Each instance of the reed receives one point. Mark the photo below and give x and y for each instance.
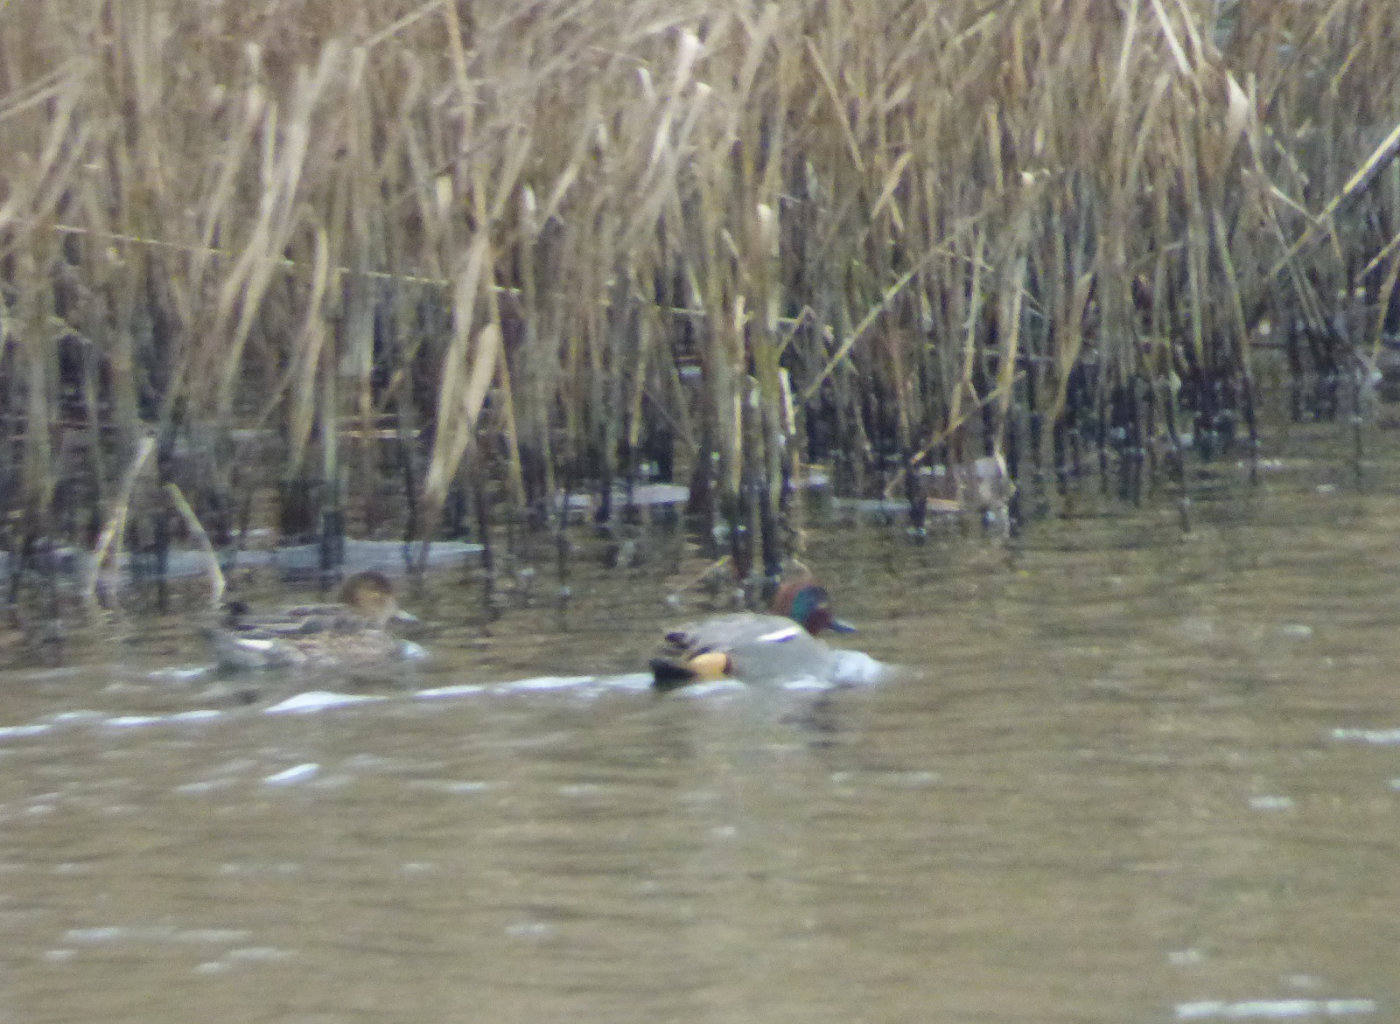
(551, 245)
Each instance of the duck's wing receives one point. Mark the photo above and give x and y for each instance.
(244, 649)
(307, 620)
(304, 611)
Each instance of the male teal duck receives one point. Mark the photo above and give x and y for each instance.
(781, 645)
(321, 636)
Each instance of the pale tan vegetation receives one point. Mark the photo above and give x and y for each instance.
(343, 241)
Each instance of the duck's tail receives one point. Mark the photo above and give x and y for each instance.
(668, 673)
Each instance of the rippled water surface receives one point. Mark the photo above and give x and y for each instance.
(1126, 776)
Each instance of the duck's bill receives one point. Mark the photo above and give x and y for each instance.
(840, 626)
(402, 616)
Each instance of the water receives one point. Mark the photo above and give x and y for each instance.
(1126, 776)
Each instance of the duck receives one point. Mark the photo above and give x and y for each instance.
(351, 633)
(782, 644)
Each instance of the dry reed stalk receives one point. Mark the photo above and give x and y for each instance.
(217, 584)
(463, 387)
(330, 523)
(1238, 332)
(31, 334)
(515, 474)
(537, 369)
(249, 161)
(288, 141)
(770, 422)
(116, 522)
(300, 380)
(1363, 176)
(351, 372)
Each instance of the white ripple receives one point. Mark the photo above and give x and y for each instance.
(155, 933)
(177, 718)
(459, 690)
(547, 683)
(1377, 737)
(293, 775)
(12, 731)
(131, 721)
(1273, 1009)
(197, 715)
(257, 954)
(639, 681)
(856, 668)
(180, 675)
(694, 690)
(78, 715)
(318, 700)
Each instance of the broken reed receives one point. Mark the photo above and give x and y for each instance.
(350, 253)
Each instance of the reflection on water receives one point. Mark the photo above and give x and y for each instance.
(1126, 776)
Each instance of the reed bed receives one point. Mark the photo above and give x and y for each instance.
(367, 266)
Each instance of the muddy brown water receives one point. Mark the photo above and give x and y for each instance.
(1126, 775)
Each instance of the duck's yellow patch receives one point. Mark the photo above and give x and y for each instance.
(710, 665)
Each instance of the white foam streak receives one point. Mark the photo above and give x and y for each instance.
(12, 731)
(318, 700)
(293, 775)
(1376, 737)
(1273, 1009)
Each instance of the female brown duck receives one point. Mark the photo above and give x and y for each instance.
(328, 635)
